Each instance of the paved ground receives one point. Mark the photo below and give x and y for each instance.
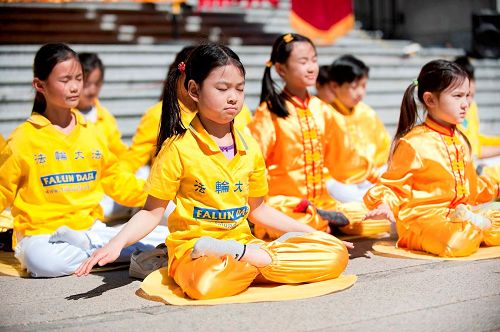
(390, 295)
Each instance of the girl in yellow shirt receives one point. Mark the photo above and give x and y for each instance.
(216, 175)
(304, 144)
(431, 187)
(55, 170)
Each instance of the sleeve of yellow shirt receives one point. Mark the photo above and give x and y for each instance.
(258, 178)
(120, 184)
(263, 130)
(11, 175)
(144, 141)
(342, 159)
(395, 185)
(164, 178)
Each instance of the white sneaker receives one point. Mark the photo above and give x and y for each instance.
(143, 263)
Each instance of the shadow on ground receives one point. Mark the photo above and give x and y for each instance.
(111, 280)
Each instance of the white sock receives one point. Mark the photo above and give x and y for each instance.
(208, 246)
(288, 235)
(75, 238)
(461, 212)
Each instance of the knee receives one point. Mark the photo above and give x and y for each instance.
(44, 262)
(458, 244)
(339, 259)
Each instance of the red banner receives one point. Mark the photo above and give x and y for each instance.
(322, 20)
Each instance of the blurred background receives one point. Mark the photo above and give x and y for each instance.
(138, 40)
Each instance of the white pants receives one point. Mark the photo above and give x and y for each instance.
(45, 259)
(346, 193)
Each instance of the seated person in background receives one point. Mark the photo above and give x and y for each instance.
(348, 77)
(486, 149)
(105, 123)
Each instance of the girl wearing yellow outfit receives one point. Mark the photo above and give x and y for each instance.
(54, 173)
(216, 175)
(348, 77)
(300, 136)
(486, 149)
(431, 185)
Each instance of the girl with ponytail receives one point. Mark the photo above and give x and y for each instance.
(301, 137)
(216, 175)
(431, 189)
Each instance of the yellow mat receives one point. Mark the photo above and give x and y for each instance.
(158, 286)
(10, 266)
(388, 248)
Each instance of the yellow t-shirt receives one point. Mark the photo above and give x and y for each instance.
(143, 148)
(470, 127)
(365, 130)
(52, 179)
(107, 125)
(210, 192)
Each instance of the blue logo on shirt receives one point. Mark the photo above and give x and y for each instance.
(212, 214)
(68, 178)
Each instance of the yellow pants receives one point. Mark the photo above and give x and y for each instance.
(310, 257)
(355, 212)
(449, 238)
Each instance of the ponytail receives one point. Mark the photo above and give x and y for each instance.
(408, 116)
(269, 94)
(40, 104)
(171, 120)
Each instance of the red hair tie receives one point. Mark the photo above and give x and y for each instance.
(182, 67)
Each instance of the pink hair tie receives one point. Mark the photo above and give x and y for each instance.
(182, 67)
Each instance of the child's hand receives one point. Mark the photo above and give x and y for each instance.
(383, 211)
(348, 245)
(102, 256)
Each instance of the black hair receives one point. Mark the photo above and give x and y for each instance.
(435, 77)
(200, 63)
(322, 78)
(47, 57)
(91, 61)
(282, 48)
(348, 69)
(464, 62)
(181, 56)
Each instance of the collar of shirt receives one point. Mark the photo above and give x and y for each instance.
(341, 108)
(41, 121)
(296, 101)
(432, 124)
(202, 135)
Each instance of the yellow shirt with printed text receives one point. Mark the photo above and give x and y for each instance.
(143, 148)
(52, 179)
(210, 192)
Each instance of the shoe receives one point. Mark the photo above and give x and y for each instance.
(335, 219)
(143, 263)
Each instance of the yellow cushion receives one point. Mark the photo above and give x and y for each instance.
(388, 249)
(158, 286)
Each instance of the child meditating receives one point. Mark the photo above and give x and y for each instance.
(55, 170)
(304, 143)
(431, 188)
(217, 177)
